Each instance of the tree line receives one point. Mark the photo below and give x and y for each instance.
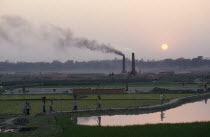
(109, 65)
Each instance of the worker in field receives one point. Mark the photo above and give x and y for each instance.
(44, 107)
(75, 103)
(162, 98)
(205, 87)
(44, 99)
(24, 108)
(99, 103)
(51, 106)
(183, 84)
(27, 108)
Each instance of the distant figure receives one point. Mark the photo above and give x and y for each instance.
(44, 99)
(27, 108)
(24, 89)
(126, 89)
(44, 107)
(24, 108)
(99, 103)
(161, 98)
(99, 121)
(75, 104)
(162, 115)
(51, 106)
(205, 87)
(182, 83)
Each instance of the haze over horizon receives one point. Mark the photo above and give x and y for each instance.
(142, 26)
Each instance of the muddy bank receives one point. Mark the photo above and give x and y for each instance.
(12, 124)
(169, 90)
(139, 110)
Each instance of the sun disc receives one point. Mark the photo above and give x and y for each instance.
(164, 47)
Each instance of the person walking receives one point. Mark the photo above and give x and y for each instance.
(24, 108)
(51, 106)
(99, 103)
(75, 104)
(44, 107)
(28, 108)
(161, 98)
(44, 100)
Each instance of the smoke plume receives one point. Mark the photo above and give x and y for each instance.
(20, 32)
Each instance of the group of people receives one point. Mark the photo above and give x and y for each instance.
(75, 103)
(44, 105)
(27, 107)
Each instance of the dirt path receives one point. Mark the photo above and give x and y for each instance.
(142, 109)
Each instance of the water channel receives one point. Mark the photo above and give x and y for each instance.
(191, 112)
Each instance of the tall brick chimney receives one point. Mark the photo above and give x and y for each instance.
(133, 67)
(123, 65)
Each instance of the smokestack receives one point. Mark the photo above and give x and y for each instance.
(133, 67)
(123, 65)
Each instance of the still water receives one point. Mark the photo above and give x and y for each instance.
(192, 112)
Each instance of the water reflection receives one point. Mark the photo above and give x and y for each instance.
(162, 115)
(206, 100)
(74, 120)
(99, 121)
(191, 112)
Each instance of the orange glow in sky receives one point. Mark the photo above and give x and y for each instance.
(140, 25)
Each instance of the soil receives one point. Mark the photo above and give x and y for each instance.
(12, 124)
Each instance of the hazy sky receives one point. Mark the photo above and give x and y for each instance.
(140, 25)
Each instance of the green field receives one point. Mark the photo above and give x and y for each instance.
(17, 106)
(112, 85)
(46, 127)
(62, 126)
(91, 96)
(90, 102)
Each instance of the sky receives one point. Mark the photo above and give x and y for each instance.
(139, 26)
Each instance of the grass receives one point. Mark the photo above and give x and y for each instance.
(1, 90)
(91, 96)
(112, 85)
(31, 96)
(46, 127)
(16, 107)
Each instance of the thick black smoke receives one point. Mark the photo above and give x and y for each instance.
(18, 31)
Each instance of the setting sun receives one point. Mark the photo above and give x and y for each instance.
(164, 47)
